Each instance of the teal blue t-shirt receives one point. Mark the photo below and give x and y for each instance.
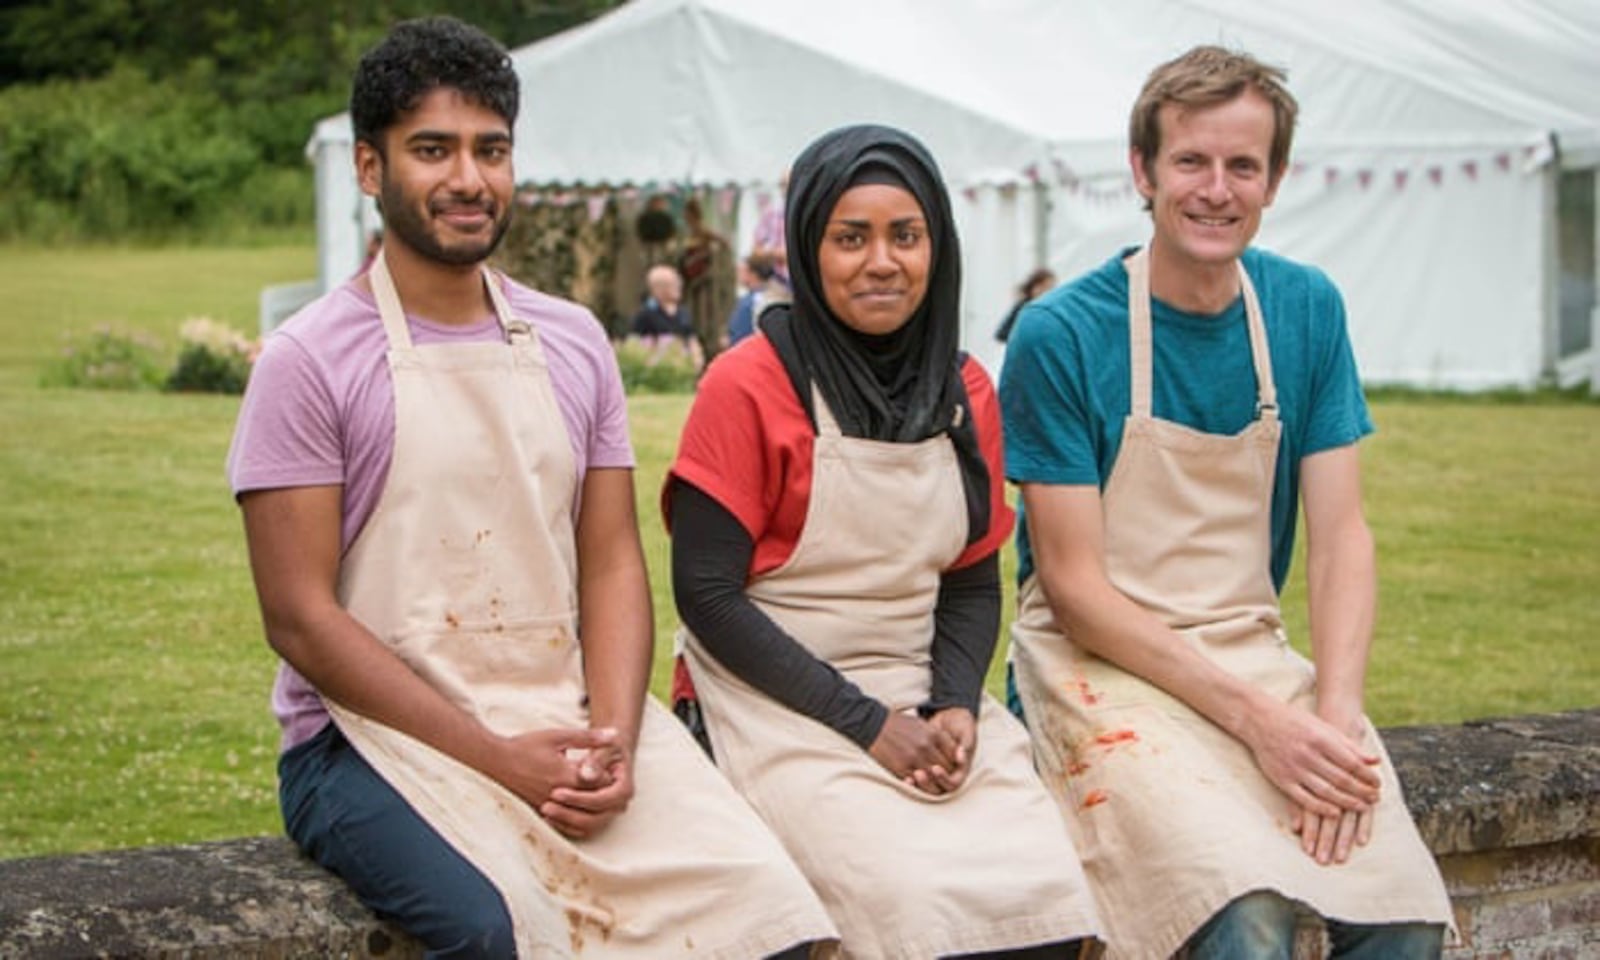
(1064, 389)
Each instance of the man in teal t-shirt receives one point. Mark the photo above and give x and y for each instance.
(1066, 380)
(1166, 415)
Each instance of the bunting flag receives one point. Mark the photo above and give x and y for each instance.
(1101, 189)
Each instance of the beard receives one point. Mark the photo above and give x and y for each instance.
(413, 228)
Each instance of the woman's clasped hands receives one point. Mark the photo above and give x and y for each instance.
(934, 754)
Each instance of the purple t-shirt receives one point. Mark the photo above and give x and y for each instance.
(319, 410)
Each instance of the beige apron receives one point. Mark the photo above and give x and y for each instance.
(1172, 815)
(467, 570)
(903, 873)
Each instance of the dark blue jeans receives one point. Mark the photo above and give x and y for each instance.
(1260, 926)
(351, 821)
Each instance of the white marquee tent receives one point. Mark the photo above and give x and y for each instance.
(1434, 139)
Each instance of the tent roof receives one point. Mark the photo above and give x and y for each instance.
(730, 90)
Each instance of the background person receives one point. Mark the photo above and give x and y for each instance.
(704, 265)
(768, 238)
(1165, 416)
(1036, 284)
(436, 480)
(663, 321)
(837, 511)
(762, 289)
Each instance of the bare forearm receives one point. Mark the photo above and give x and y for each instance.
(618, 644)
(1068, 538)
(1342, 595)
(1308, 758)
(293, 537)
(614, 617)
(1341, 582)
(351, 667)
(1103, 621)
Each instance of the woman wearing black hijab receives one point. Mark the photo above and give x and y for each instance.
(837, 516)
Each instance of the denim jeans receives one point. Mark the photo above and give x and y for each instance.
(351, 821)
(1261, 926)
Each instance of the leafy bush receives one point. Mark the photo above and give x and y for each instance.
(119, 156)
(213, 358)
(662, 367)
(108, 360)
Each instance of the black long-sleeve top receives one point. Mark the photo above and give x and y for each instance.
(711, 553)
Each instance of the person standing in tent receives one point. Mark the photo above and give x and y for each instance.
(1165, 415)
(767, 239)
(1035, 284)
(705, 264)
(759, 280)
(837, 510)
(435, 475)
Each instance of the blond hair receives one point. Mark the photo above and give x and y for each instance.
(1206, 76)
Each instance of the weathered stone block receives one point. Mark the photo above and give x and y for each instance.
(252, 898)
(1574, 862)
(1502, 783)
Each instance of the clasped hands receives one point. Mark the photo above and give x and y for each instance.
(1329, 773)
(577, 779)
(933, 755)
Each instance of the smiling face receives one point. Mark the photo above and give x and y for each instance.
(874, 258)
(444, 178)
(1208, 182)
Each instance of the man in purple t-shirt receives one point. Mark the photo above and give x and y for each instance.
(436, 480)
(311, 459)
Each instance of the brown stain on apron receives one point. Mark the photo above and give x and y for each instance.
(463, 514)
(1153, 791)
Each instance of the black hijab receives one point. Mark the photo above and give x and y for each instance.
(900, 387)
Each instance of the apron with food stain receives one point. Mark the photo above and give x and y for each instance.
(902, 873)
(467, 570)
(1172, 815)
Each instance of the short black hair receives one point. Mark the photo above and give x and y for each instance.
(419, 56)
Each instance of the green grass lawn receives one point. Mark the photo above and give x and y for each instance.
(133, 676)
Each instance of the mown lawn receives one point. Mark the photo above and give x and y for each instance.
(133, 676)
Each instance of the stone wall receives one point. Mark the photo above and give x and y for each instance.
(251, 899)
(1510, 807)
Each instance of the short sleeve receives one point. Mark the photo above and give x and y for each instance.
(1049, 429)
(986, 415)
(287, 434)
(610, 444)
(727, 450)
(1337, 414)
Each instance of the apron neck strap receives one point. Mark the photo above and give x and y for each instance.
(1139, 337)
(394, 317)
(827, 426)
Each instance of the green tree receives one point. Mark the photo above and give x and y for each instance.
(136, 115)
